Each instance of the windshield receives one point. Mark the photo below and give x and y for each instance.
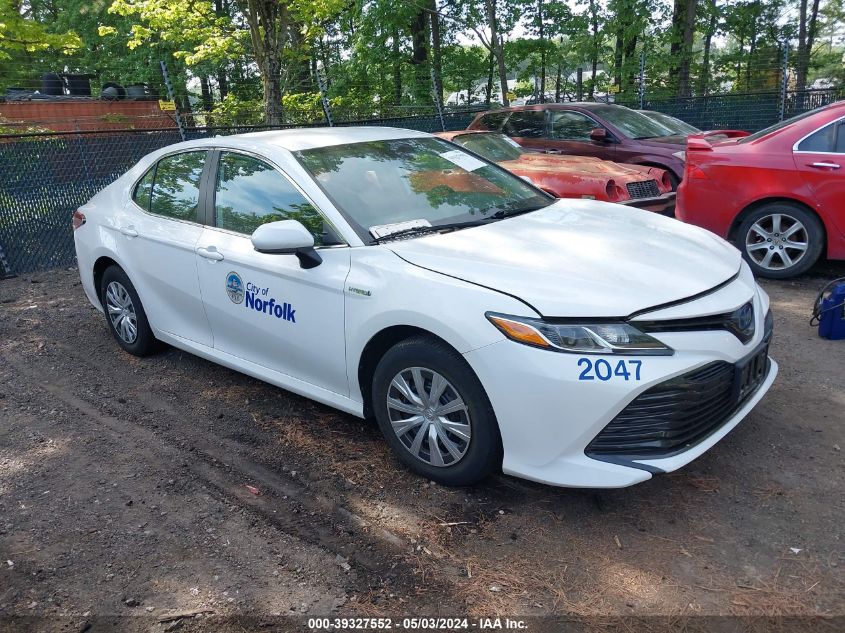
(675, 125)
(632, 123)
(778, 126)
(425, 179)
(495, 147)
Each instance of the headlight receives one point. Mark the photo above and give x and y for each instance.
(584, 338)
(682, 155)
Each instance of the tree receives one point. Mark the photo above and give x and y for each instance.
(277, 32)
(807, 23)
(20, 32)
(683, 31)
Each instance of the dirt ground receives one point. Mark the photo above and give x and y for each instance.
(125, 499)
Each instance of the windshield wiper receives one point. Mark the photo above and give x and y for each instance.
(436, 228)
(506, 212)
(500, 214)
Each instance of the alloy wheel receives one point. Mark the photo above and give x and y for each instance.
(777, 241)
(429, 416)
(121, 312)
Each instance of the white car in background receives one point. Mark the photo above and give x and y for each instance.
(483, 323)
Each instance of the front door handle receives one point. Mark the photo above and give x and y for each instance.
(825, 165)
(128, 231)
(210, 253)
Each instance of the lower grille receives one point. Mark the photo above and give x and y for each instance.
(677, 414)
(643, 189)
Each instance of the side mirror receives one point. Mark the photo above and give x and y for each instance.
(286, 237)
(599, 135)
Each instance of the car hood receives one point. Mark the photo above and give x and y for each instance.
(581, 258)
(578, 165)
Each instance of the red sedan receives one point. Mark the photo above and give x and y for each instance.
(648, 188)
(778, 194)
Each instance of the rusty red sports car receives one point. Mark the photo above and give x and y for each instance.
(648, 188)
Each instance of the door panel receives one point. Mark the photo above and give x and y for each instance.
(269, 310)
(158, 249)
(569, 133)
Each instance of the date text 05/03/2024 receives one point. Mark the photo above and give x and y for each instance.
(417, 623)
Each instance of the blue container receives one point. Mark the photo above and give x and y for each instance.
(832, 313)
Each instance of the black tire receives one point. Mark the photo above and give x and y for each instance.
(790, 212)
(483, 455)
(145, 342)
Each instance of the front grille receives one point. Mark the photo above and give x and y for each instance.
(643, 189)
(677, 414)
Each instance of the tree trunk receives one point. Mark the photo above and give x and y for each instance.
(704, 80)
(497, 48)
(222, 83)
(542, 30)
(490, 80)
(205, 90)
(557, 85)
(221, 10)
(806, 38)
(683, 31)
(594, 61)
(436, 57)
(419, 56)
(268, 24)
(631, 62)
(618, 54)
(397, 68)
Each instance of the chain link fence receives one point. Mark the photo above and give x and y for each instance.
(45, 177)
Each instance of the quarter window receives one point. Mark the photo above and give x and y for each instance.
(143, 189)
(176, 186)
(492, 121)
(572, 126)
(526, 124)
(250, 193)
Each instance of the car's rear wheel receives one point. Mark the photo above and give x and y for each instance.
(780, 240)
(434, 413)
(125, 314)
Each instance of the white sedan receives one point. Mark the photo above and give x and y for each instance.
(484, 324)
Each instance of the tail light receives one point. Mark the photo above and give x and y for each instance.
(77, 219)
(612, 190)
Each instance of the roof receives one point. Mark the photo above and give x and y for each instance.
(298, 139)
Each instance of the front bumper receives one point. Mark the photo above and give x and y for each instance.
(664, 204)
(548, 417)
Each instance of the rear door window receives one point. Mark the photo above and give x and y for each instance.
(176, 186)
(829, 139)
(526, 124)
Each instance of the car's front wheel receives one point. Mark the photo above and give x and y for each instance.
(780, 240)
(125, 315)
(435, 414)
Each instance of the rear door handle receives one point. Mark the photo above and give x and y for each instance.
(128, 231)
(210, 253)
(824, 165)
